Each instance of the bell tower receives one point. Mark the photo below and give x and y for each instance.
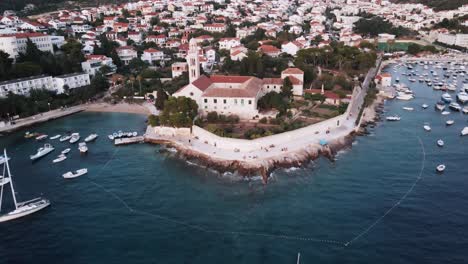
(193, 61)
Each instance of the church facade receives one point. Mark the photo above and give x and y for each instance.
(232, 95)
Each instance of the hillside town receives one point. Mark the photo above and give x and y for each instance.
(250, 60)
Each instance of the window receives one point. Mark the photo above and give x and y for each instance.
(242, 101)
(215, 101)
(225, 101)
(191, 94)
(206, 100)
(250, 102)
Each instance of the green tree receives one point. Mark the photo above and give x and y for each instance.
(179, 112)
(161, 98)
(5, 65)
(286, 89)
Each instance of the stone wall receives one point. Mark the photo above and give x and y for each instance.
(172, 131)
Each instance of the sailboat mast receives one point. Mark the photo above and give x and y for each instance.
(1, 191)
(11, 181)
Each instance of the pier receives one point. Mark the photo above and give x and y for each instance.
(127, 141)
(39, 118)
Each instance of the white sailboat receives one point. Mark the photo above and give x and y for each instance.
(41, 152)
(21, 208)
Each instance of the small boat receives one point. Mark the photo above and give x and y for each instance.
(393, 118)
(60, 158)
(82, 147)
(78, 173)
(445, 113)
(449, 122)
(21, 208)
(41, 137)
(74, 138)
(408, 108)
(41, 152)
(404, 96)
(30, 135)
(424, 106)
(462, 97)
(55, 137)
(91, 137)
(464, 132)
(427, 127)
(65, 151)
(134, 134)
(440, 106)
(446, 98)
(64, 138)
(465, 110)
(440, 168)
(111, 137)
(440, 143)
(455, 106)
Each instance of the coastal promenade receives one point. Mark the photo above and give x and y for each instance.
(39, 118)
(277, 148)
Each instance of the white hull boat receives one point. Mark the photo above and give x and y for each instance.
(462, 97)
(427, 128)
(65, 151)
(91, 138)
(74, 138)
(41, 137)
(393, 118)
(449, 122)
(440, 143)
(60, 158)
(465, 110)
(83, 148)
(408, 108)
(64, 138)
(445, 113)
(21, 208)
(78, 173)
(55, 137)
(455, 107)
(440, 168)
(111, 137)
(464, 132)
(424, 106)
(41, 152)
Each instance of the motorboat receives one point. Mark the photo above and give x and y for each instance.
(449, 122)
(393, 118)
(446, 98)
(55, 137)
(21, 208)
(30, 135)
(41, 152)
(440, 143)
(74, 138)
(465, 110)
(464, 131)
(82, 147)
(404, 96)
(65, 151)
(60, 158)
(41, 137)
(111, 137)
(408, 108)
(134, 134)
(64, 138)
(445, 113)
(440, 168)
(440, 105)
(91, 137)
(427, 127)
(462, 97)
(78, 173)
(424, 106)
(455, 106)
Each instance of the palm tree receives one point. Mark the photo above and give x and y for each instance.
(139, 78)
(132, 80)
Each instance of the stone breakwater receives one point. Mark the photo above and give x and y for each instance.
(262, 167)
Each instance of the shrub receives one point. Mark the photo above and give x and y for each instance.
(153, 120)
(212, 117)
(263, 120)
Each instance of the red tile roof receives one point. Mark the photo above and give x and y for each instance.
(229, 79)
(293, 71)
(202, 83)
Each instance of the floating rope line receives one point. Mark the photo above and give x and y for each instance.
(397, 203)
(268, 235)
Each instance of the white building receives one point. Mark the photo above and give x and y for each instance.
(454, 39)
(78, 29)
(126, 54)
(152, 55)
(23, 86)
(16, 43)
(178, 68)
(228, 43)
(95, 62)
(232, 95)
(73, 80)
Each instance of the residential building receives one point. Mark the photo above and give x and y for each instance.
(152, 55)
(70, 81)
(126, 54)
(15, 44)
(94, 63)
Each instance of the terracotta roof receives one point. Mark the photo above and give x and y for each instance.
(151, 50)
(248, 89)
(269, 49)
(202, 83)
(293, 71)
(273, 81)
(229, 79)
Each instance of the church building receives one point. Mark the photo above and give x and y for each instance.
(232, 95)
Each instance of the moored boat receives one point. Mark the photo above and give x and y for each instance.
(440, 168)
(449, 122)
(446, 98)
(455, 106)
(464, 131)
(424, 106)
(60, 158)
(78, 173)
(91, 137)
(393, 118)
(465, 110)
(41, 137)
(65, 151)
(55, 137)
(74, 138)
(440, 143)
(41, 152)
(408, 108)
(427, 127)
(440, 106)
(462, 97)
(82, 147)
(64, 138)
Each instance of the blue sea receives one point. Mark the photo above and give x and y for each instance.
(380, 202)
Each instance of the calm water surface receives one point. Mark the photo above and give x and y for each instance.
(138, 205)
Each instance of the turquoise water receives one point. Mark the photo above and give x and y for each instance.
(138, 205)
